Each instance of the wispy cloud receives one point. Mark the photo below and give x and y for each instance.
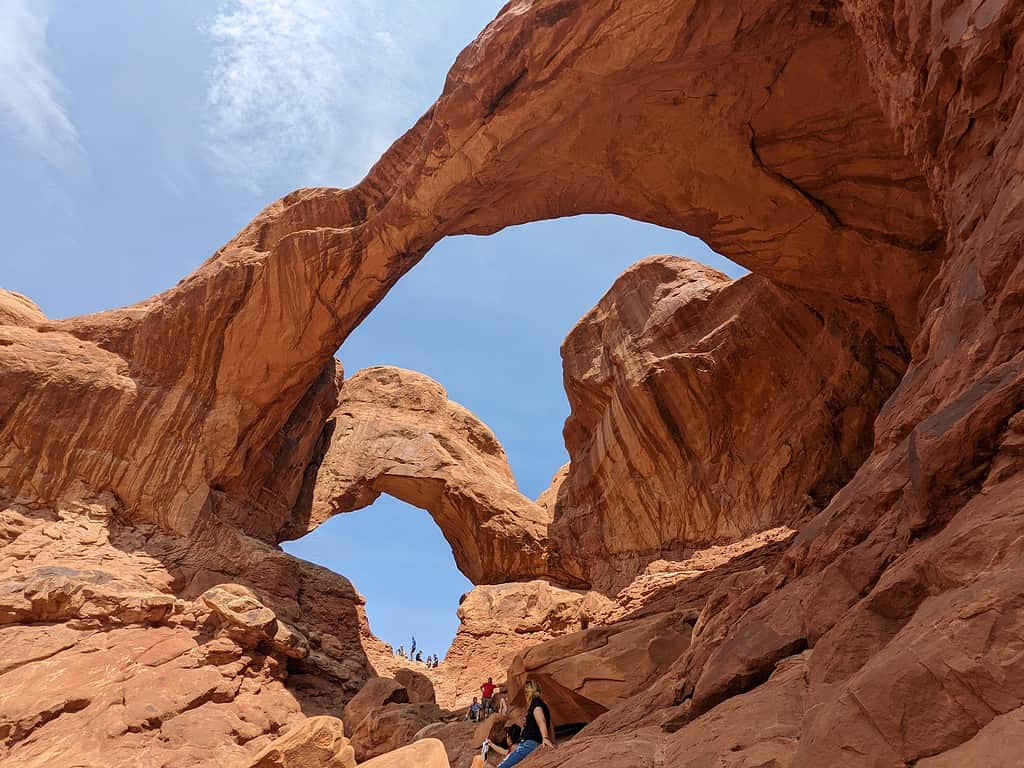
(30, 107)
(308, 89)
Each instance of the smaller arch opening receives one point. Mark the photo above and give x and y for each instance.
(400, 562)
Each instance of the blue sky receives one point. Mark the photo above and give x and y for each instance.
(137, 137)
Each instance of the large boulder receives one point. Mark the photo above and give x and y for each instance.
(391, 726)
(251, 623)
(418, 685)
(459, 739)
(585, 674)
(318, 742)
(428, 753)
(376, 693)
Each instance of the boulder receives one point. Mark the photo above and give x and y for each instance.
(458, 737)
(377, 692)
(248, 621)
(391, 726)
(318, 742)
(585, 674)
(428, 753)
(418, 685)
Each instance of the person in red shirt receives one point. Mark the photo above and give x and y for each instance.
(487, 697)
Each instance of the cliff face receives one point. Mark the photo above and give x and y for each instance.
(861, 158)
(705, 410)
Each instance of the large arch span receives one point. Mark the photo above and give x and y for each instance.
(756, 130)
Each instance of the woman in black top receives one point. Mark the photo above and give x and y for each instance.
(537, 728)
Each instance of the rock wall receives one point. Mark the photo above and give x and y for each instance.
(126, 646)
(704, 410)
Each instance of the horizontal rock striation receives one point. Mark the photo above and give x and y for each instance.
(196, 404)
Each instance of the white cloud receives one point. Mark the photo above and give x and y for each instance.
(308, 89)
(30, 107)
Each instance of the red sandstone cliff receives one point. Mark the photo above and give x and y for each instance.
(705, 410)
(861, 158)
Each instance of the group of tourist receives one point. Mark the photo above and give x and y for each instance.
(417, 655)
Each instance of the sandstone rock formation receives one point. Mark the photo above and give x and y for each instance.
(318, 741)
(418, 686)
(497, 622)
(705, 410)
(396, 432)
(390, 727)
(375, 694)
(127, 646)
(428, 753)
(460, 740)
(585, 674)
(225, 398)
(861, 158)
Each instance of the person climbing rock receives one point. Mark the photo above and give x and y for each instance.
(487, 692)
(537, 729)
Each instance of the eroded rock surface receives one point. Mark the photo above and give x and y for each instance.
(586, 673)
(862, 157)
(705, 410)
(497, 622)
(395, 431)
(318, 742)
(200, 405)
(127, 646)
(426, 753)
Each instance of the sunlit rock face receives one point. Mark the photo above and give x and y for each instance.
(861, 158)
(706, 409)
(755, 129)
(395, 431)
(129, 646)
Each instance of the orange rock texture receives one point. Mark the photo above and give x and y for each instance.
(862, 159)
(705, 410)
(395, 431)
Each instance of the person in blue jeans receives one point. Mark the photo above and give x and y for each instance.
(537, 729)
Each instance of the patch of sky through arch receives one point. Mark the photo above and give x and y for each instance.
(485, 317)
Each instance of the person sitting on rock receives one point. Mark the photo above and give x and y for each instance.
(512, 735)
(537, 730)
(473, 713)
(487, 689)
(419, 656)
